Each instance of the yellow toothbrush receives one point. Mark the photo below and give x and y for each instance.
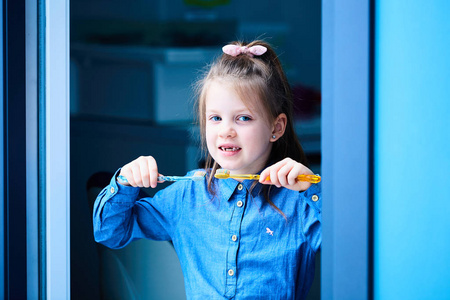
(224, 174)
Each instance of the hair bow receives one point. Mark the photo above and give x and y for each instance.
(235, 50)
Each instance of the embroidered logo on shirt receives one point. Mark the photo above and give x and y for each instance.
(269, 231)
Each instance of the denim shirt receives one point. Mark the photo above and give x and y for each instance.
(231, 246)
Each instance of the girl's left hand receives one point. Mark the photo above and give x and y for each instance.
(284, 174)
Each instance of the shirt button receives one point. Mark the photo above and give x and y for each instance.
(240, 203)
(240, 187)
(315, 198)
(234, 238)
(112, 190)
(230, 272)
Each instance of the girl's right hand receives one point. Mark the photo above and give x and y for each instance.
(141, 172)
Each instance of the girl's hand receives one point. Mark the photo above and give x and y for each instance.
(284, 173)
(141, 172)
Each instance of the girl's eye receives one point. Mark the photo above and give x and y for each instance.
(244, 118)
(215, 118)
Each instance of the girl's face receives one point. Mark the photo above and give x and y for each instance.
(238, 137)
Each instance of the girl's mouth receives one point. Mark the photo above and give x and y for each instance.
(229, 149)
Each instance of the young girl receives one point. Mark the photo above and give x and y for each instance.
(236, 239)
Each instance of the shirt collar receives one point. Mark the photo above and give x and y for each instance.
(226, 187)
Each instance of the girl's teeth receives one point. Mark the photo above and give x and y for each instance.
(230, 149)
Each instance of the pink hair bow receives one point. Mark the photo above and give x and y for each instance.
(235, 50)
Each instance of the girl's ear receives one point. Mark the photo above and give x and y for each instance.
(279, 126)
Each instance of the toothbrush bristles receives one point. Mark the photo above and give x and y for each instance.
(199, 175)
(222, 173)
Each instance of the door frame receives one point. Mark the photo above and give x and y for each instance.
(347, 139)
(347, 148)
(34, 145)
(56, 87)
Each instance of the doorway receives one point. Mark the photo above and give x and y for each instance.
(124, 56)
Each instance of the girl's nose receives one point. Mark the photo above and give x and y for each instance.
(227, 131)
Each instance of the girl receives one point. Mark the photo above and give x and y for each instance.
(237, 239)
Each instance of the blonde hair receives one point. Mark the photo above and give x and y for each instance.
(259, 77)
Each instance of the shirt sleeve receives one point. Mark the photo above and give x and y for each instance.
(120, 216)
(312, 216)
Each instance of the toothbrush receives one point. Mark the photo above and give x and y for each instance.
(224, 173)
(198, 176)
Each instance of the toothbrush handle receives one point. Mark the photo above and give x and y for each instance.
(249, 176)
(174, 178)
(307, 178)
(122, 179)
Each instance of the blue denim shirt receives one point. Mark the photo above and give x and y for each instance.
(235, 246)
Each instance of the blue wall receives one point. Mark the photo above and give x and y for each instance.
(412, 138)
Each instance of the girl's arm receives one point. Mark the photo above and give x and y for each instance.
(312, 215)
(113, 215)
(120, 217)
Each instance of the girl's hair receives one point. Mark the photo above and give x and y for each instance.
(259, 77)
